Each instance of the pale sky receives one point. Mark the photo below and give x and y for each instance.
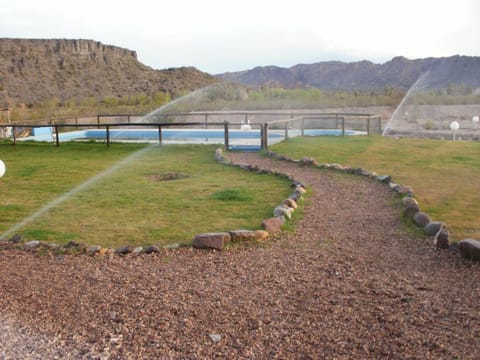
(218, 36)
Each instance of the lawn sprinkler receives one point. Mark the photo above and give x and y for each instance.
(454, 126)
(2, 168)
(475, 121)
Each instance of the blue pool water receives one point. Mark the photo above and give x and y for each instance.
(238, 138)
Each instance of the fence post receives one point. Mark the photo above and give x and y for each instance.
(227, 140)
(265, 135)
(160, 134)
(286, 130)
(206, 121)
(368, 125)
(108, 135)
(57, 138)
(98, 121)
(262, 145)
(303, 126)
(14, 136)
(343, 126)
(379, 124)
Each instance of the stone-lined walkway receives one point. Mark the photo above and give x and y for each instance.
(350, 283)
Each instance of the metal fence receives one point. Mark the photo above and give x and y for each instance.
(280, 124)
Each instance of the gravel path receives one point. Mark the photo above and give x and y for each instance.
(349, 284)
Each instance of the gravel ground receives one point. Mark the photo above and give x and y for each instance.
(350, 283)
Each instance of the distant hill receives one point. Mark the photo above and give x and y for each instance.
(399, 72)
(36, 70)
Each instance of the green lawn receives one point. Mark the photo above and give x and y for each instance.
(165, 194)
(445, 175)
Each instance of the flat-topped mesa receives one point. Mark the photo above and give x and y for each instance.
(75, 47)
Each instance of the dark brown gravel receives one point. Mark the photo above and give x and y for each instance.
(350, 283)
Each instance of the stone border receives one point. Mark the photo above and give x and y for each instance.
(269, 226)
(213, 240)
(468, 248)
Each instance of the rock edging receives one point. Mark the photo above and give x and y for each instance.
(468, 248)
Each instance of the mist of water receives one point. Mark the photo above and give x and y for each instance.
(116, 167)
(399, 112)
(83, 186)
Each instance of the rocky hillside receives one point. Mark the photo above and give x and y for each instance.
(32, 71)
(365, 75)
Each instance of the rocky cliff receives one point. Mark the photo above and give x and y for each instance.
(36, 70)
(399, 72)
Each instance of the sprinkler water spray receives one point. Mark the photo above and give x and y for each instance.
(2, 168)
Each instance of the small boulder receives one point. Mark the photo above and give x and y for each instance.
(470, 249)
(411, 210)
(421, 219)
(308, 161)
(242, 235)
(152, 249)
(93, 249)
(283, 210)
(405, 190)
(16, 238)
(274, 224)
(104, 251)
(434, 227)
(31, 245)
(408, 200)
(394, 186)
(290, 203)
(138, 250)
(337, 167)
(72, 245)
(215, 241)
(386, 179)
(261, 235)
(441, 239)
(124, 250)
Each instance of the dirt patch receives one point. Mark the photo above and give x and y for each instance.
(166, 176)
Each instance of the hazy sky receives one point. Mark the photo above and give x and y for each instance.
(220, 36)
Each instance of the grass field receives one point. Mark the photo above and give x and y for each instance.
(445, 175)
(165, 195)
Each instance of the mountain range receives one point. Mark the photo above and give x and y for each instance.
(33, 71)
(399, 72)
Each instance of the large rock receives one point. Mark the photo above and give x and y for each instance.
(434, 227)
(215, 241)
(470, 249)
(274, 224)
(421, 219)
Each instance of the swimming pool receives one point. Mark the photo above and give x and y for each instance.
(237, 138)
